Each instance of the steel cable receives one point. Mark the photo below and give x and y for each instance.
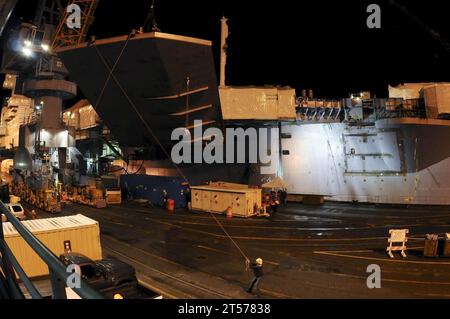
(247, 263)
(133, 105)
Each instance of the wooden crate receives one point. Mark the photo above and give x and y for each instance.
(113, 197)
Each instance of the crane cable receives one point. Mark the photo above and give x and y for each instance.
(247, 260)
(133, 105)
(108, 79)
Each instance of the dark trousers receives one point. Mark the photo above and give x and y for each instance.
(256, 281)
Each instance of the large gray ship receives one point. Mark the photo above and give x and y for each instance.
(360, 149)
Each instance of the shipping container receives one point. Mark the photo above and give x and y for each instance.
(78, 232)
(243, 202)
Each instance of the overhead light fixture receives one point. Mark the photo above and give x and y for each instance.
(22, 159)
(27, 43)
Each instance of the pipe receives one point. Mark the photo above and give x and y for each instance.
(223, 50)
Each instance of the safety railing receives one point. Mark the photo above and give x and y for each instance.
(9, 266)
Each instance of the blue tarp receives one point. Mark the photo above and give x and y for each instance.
(151, 188)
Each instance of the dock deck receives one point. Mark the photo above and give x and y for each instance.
(309, 251)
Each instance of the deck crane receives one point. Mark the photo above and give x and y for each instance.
(45, 142)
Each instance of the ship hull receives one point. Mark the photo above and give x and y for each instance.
(146, 86)
(391, 162)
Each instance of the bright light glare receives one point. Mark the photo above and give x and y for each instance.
(27, 52)
(45, 47)
(27, 43)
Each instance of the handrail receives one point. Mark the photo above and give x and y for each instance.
(9, 283)
(22, 275)
(58, 272)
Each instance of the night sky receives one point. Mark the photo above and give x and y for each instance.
(322, 45)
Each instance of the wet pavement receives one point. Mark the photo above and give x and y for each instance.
(309, 251)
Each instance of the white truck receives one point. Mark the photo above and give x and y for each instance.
(17, 210)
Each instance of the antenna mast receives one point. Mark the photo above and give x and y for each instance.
(223, 51)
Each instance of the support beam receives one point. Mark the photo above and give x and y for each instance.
(6, 9)
(180, 95)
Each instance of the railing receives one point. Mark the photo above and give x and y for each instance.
(9, 286)
(338, 111)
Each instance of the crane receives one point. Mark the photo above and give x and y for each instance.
(42, 78)
(67, 36)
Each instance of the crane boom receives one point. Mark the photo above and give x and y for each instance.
(66, 36)
(6, 8)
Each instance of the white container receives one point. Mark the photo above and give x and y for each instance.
(437, 99)
(83, 234)
(217, 200)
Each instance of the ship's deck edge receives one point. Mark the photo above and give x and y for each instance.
(142, 36)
